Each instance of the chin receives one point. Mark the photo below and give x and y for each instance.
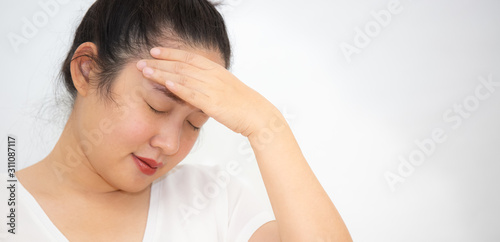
(135, 187)
(131, 183)
(131, 180)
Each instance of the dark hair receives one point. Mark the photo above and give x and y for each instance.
(125, 30)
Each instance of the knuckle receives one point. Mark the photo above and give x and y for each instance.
(153, 64)
(183, 80)
(178, 67)
(189, 57)
(192, 95)
(210, 67)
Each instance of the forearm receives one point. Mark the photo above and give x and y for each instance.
(302, 208)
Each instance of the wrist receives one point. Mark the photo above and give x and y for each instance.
(267, 129)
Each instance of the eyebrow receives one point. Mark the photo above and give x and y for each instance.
(168, 93)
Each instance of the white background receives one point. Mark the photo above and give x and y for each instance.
(352, 119)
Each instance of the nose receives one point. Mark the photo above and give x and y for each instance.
(168, 139)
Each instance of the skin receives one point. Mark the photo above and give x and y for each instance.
(91, 165)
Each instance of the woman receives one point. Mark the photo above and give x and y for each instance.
(144, 76)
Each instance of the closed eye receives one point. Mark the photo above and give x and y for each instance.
(194, 127)
(162, 112)
(154, 110)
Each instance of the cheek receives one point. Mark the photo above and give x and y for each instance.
(131, 131)
(119, 131)
(187, 143)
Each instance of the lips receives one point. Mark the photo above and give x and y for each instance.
(146, 165)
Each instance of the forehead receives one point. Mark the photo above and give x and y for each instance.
(163, 90)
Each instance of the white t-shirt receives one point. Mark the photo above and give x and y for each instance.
(190, 203)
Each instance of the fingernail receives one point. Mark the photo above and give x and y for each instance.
(169, 84)
(155, 51)
(148, 71)
(141, 64)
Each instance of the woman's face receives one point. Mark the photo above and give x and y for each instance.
(141, 135)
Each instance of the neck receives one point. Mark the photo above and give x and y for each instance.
(70, 168)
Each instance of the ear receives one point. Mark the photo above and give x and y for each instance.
(83, 68)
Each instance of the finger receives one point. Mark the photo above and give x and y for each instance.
(174, 67)
(160, 77)
(184, 56)
(191, 96)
